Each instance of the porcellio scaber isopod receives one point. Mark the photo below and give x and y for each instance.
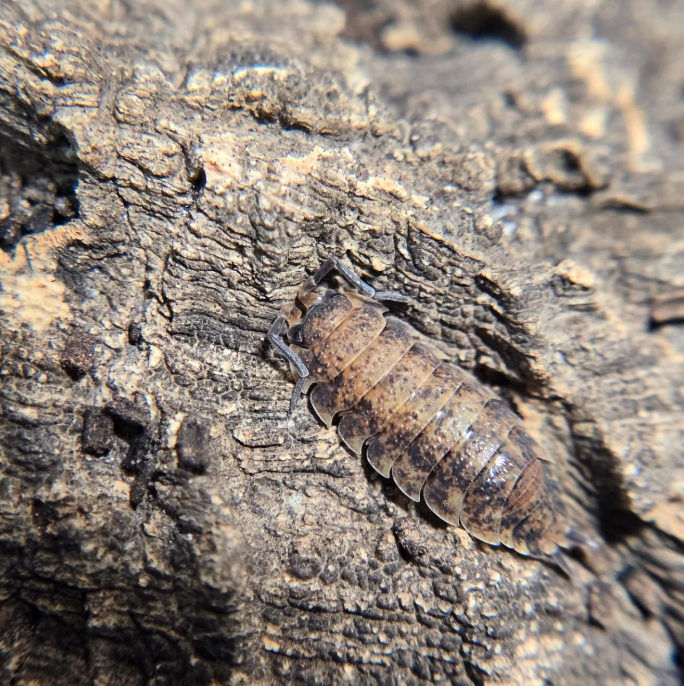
(431, 425)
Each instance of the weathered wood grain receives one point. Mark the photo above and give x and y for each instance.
(170, 173)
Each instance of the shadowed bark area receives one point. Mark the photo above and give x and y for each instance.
(169, 176)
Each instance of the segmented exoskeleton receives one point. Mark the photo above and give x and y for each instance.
(429, 423)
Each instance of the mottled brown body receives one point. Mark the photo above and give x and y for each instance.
(425, 421)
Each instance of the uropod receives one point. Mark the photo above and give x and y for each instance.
(438, 431)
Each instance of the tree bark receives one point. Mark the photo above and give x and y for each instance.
(169, 176)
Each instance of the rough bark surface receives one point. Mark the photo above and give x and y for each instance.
(169, 175)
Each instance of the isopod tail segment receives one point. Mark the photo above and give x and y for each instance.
(439, 432)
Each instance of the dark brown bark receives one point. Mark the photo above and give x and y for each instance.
(169, 175)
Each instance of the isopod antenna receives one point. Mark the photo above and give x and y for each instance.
(352, 278)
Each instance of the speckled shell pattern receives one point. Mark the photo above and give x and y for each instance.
(431, 425)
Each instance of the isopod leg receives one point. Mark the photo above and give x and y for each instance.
(351, 277)
(301, 387)
(559, 560)
(581, 540)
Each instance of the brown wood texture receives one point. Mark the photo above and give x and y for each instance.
(170, 173)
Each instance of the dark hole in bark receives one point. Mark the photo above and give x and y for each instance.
(481, 21)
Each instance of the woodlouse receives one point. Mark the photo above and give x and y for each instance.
(429, 423)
